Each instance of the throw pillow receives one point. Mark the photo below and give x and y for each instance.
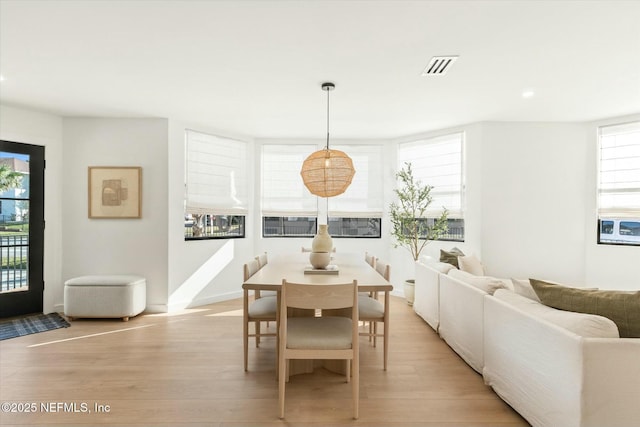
(451, 256)
(623, 307)
(585, 325)
(524, 288)
(484, 283)
(471, 264)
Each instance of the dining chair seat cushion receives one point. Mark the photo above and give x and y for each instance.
(369, 308)
(263, 308)
(322, 333)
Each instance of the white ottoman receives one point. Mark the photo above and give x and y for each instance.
(105, 296)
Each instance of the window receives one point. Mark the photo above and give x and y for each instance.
(438, 162)
(288, 208)
(288, 226)
(216, 187)
(619, 184)
(357, 213)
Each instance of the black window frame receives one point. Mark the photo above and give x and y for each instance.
(217, 221)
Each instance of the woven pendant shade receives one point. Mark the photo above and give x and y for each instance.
(327, 173)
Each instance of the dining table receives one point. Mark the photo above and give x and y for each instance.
(344, 267)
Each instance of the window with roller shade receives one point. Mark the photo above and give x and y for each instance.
(619, 184)
(288, 208)
(439, 162)
(216, 187)
(357, 213)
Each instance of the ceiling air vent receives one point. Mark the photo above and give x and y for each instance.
(439, 65)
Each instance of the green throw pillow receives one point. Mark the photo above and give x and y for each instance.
(451, 256)
(620, 306)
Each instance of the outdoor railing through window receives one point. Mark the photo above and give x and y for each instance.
(14, 255)
(213, 227)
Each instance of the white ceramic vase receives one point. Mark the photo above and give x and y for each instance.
(319, 260)
(322, 242)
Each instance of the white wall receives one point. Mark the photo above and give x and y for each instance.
(117, 246)
(37, 128)
(533, 200)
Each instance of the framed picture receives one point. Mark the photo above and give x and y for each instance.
(115, 192)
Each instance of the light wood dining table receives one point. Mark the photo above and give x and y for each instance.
(291, 266)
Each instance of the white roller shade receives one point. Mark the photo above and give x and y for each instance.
(364, 197)
(216, 175)
(619, 175)
(283, 192)
(438, 162)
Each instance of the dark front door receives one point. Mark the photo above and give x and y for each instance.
(21, 228)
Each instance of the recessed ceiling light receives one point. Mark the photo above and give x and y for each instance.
(1, 78)
(528, 93)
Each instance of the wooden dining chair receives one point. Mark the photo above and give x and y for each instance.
(263, 259)
(261, 309)
(370, 259)
(373, 311)
(319, 337)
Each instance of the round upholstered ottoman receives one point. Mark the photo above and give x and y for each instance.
(104, 296)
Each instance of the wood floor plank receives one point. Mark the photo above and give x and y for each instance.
(185, 369)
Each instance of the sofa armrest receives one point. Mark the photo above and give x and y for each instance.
(427, 294)
(461, 319)
(611, 387)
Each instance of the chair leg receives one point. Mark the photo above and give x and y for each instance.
(375, 333)
(386, 342)
(257, 329)
(245, 328)
(281, 384)
(356, 388)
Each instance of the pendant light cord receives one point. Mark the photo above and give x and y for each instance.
(328, 119)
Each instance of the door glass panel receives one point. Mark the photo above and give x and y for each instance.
(14, 222)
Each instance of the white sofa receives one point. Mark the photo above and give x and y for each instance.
(454, 308)
(544, 362)
(555, 377)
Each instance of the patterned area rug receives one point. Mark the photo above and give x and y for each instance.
(31, 324)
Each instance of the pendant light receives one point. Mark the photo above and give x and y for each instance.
(327, 173)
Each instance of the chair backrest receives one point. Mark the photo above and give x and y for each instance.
(319, 296)
(370, 259)
(383, 269)
(251, 268)
(262, 259)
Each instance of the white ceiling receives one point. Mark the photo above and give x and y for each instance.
(255, 67)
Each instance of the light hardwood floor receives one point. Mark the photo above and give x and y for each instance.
(185, 369)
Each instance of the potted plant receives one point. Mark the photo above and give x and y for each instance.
(409, 225)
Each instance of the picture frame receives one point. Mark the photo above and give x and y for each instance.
(115, 192)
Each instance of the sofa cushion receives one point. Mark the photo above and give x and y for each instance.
(585, 325)
(471, 264)
(523, 287)
(484, 283)
(451, 256)
(439, 266)
(623, 307)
